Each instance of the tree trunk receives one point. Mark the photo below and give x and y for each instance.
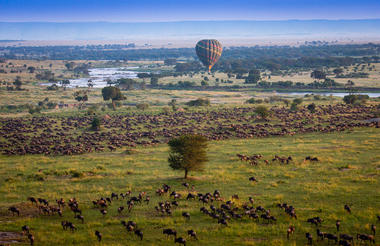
(113, 105)
(186, 171)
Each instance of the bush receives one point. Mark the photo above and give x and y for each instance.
(199, 102)
(355, 99)
(92, 110)
(297, 101)
(294, 107)
(75, 173)
(53, 87)
(251, 101)
(95, 124)
(34, 109)
(311, 107)
(262, 111)
(317, 97)
(142, 106)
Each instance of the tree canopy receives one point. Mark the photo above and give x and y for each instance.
(112, 93)
(188, 153)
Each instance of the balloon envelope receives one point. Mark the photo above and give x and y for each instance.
(209, 52)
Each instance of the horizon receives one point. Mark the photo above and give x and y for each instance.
(179, 21)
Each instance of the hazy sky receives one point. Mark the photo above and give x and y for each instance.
(177, 10)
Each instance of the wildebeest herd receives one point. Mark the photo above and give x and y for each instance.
(71, 135)
(220, 210)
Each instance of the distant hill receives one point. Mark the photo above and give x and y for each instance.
(187, 29)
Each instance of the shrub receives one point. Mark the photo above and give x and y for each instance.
(95, 124)
(355, 99)
(262, 111)
(199, 102)
(251, 101)
(311, 107)
(142, 106)
(297, 101)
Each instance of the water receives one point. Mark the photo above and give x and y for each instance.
(335, 94)
(99, 76)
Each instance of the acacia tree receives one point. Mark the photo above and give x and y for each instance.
(113, 93)
(262, 111)
(188, 153)
(64, 83)
(81, 96)
(317, 74)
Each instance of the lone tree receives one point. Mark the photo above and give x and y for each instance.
(317, 74)
(95, 124)
(173, 104)
(262, 111)
(81, 96)
(311, 107)
(113, 93)
(18, 83)
(253, 77)
(188, 153)
(64, 83)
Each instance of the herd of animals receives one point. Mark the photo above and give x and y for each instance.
(220, 210)
(71, 135)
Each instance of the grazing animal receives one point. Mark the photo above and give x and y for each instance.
(250, 199)
(103, 212)
(253, 179)
(190, 196)
(31, 239)
(186, 215)
(290, 231)
(320, 235)
(98, 235)
(373, 229)
(14, 210)
(344, 243)
(139, 233)
(147, 199)
(337, 225)
(308, 158)
(32, 200)
(180, 240)
(347, 208)
(79, 217)
(346, 237)
(68, 224)
(330, 236)
(309, 238)
(170, 232)
(25, 229)
(192, 234)
(114, 195)
(223, 222)
(365, 237)
(120, 209)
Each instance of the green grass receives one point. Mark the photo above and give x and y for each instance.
(348, 173)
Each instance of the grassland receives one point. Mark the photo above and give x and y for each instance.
(348, 173)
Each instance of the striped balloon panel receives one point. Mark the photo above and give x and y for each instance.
(208, 51)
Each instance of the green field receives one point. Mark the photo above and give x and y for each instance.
(348, 173)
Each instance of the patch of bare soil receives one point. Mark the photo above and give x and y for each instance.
(7, 237)
(26, 210)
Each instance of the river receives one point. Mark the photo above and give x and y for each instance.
(335, 94)
(99, 76)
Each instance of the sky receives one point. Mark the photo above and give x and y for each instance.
(184, 10)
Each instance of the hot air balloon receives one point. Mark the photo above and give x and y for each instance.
(209, 52)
